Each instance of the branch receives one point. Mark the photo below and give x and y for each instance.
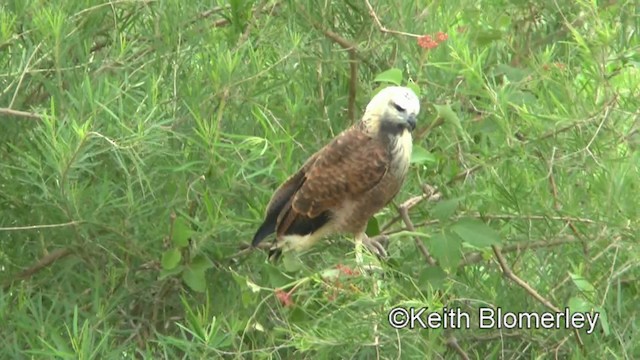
(429, 193)
(11, 112)
(381, 27)
(476, 257)
(509, 274)
(353, 64)
(452, 342)
(465, 173)
(45, 261)
(493, 217)
(35, 227)
(556, 201)
(404, 214)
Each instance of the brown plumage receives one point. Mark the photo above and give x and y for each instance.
(340, 187)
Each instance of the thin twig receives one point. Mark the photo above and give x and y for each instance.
(208, 13)
(11, 112)
(350, 47)
(506, 270)
(509, 274)
(257, 12)
(404, 213)
(476, 257)
(558, 206)
(465, 173)
(36, 227)
(45, 261)
(382, 28)
(429, 193)
(489, 217)
(353, 85)
(614, 243)
(452, 342)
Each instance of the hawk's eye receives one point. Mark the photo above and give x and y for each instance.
(399, 108)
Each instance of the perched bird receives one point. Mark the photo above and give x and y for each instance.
(340, 187)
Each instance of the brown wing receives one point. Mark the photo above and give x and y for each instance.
(281, 199)
(347, 167)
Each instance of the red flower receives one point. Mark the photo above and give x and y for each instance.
(426, 42)
(441, 36)
(284, 297)
(345, 270)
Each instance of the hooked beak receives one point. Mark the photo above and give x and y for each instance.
(411, 120)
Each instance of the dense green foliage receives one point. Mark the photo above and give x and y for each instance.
(141, 140)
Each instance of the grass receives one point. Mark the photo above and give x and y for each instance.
(141, 141)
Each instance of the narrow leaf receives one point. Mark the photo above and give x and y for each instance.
(445, 209)
(420, 155)
(446, 249)
(579, 304)
(373, 228)
(393, 75)
(446, 112)
(603, 319)
(583, 284)
(476, 233)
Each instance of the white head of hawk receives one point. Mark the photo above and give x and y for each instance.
(341, 186)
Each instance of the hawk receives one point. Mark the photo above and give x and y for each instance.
(340, 187)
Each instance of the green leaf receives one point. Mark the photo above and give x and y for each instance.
(520, 98)
(248, 289)
(247, 298)
(583, 284)
(415, 87)
(603, 320)
(181, 232)
(432, 275)
(446, 249)
(486, 36)
(447, 113)
(200, 262)
(168, 273)
(512, 73)
(373, 228)
(195, 279)
(171, 258)
(195, 324)
(579, 304)
(291, 262)
(476, 233)
(420, 155)
(274, 274)
(445, 209)
(393, 75)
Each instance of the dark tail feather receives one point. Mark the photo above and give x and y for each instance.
(267, 228)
